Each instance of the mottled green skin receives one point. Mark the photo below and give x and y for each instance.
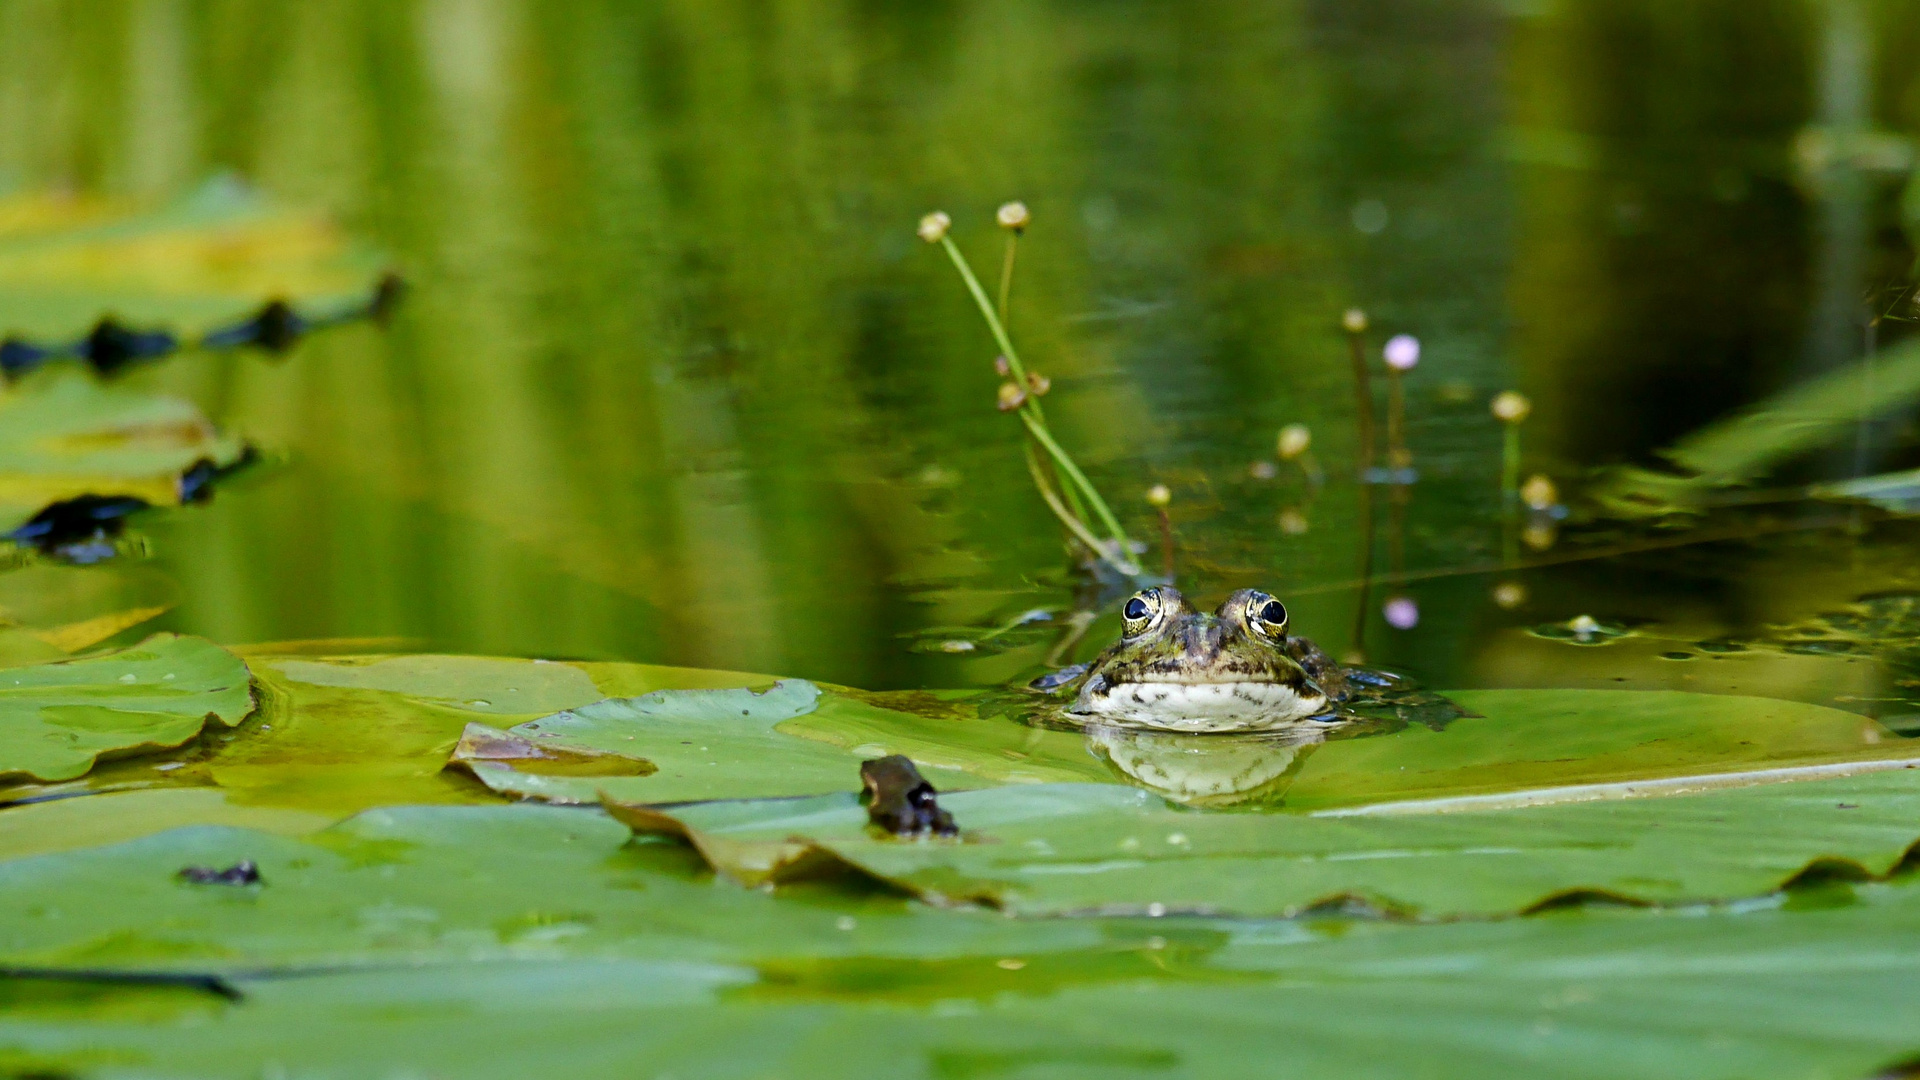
(1181, 647)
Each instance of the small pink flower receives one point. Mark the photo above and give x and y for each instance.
(1402, 613)
(1402, 352)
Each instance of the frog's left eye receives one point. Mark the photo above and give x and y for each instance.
(1139, 610)
(1267, 615)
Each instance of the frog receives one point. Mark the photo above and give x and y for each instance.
(1179, 669)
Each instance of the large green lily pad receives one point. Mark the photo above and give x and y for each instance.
(792, 739)
(337, 734)
(205, 260)
(676, 746)
(57, 719)
(1064, 848)
(515, 941)
(64, 435)
(1544, 739)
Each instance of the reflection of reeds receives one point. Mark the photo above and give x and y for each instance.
(1117, 549)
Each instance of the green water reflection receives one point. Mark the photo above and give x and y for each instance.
(676, 382)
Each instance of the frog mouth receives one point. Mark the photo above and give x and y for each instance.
(1218, 704)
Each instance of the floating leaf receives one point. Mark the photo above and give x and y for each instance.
(1062, 848)
(516, 941)
(793, 739)
(1526, 740)
(64, 436)
(204, 264)
(57, 719)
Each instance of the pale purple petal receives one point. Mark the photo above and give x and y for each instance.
(1403, 351)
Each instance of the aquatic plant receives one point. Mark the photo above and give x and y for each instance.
(1511, 409)
(1077, 500)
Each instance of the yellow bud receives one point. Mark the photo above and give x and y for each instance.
(1012, 396)
(1294, 440)
(1013, 216)
(934, 226)
(1158, 495)
(1511, 407)
(1539, 493)
(1038, 383)
(1354, 320)
(1540, 535)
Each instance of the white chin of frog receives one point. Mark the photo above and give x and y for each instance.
(1198, 707)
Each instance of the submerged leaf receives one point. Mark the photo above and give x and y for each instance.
(57, 719)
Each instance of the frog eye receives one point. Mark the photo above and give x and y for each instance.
(1139, 610)
(1267, 615)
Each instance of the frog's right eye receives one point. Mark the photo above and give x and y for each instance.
(1138, 611)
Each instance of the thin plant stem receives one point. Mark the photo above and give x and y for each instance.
(1397, 456)
(1358, 650)
(1363, 400)
(1075, 525)
(1100, 508)
(1006, 274)
(1510, 467)
(1166, 543)
(1030, 412)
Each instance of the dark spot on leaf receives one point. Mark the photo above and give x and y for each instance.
(243, 872)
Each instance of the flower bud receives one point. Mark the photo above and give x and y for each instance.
(1354, 320)
(1001, 367)
(1012, 396)
(1013, 216)
(934, 226)
(1159, 496)
(1294, 440)
(1509, 594)
(1402, 352)
(1402, 613)
(1539, 493)
(1038, 383)
(1511, 407)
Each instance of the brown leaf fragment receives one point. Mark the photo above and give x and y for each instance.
(478, 742)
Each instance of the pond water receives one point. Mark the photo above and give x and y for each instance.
(675, 381)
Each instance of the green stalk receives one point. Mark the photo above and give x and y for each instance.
(1030, 412)
(1100, 507)
(1075, 525)
(1510, 466)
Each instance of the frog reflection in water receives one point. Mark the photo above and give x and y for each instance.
(1177, 669)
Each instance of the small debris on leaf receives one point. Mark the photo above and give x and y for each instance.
(243, 872)
(900, 800)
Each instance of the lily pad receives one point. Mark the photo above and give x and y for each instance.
(64, 435)
(57, 719)
(200, 264)
(792, 739)
(516, 941)
(1078, 848)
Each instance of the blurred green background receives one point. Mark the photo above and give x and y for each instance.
(675, 380)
